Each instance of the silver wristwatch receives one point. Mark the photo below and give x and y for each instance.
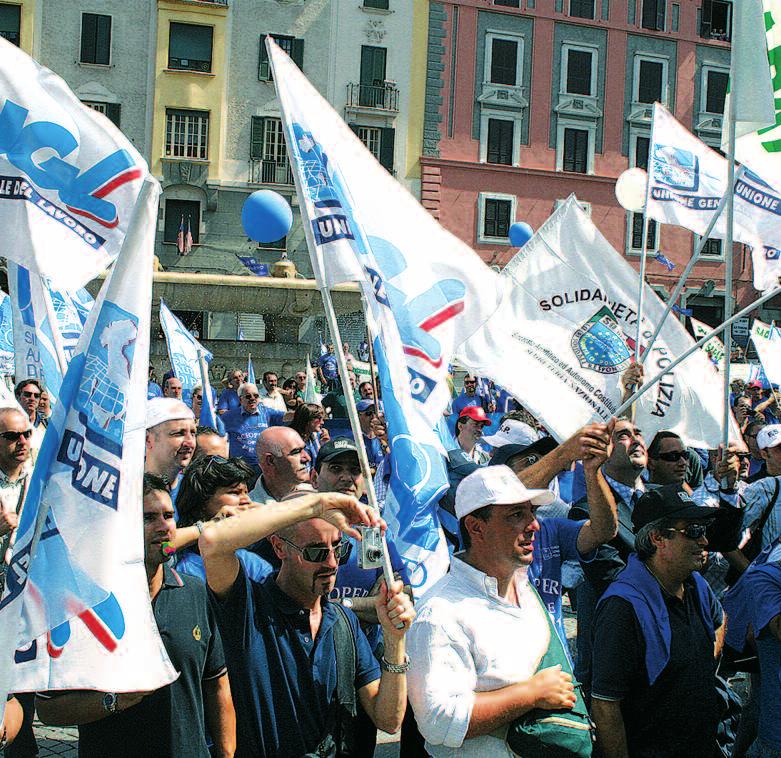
(395, 668)
(347, 602)
(110, 702)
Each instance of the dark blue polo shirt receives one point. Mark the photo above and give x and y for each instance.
(283, 682)
(244, 429)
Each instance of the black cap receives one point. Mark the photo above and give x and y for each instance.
(334, 448)
(670, 502)
(538, 447)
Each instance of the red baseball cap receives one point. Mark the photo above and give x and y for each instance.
(476, 413)
(755, 384)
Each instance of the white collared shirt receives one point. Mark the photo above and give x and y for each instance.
(467, 639)
(276, 401)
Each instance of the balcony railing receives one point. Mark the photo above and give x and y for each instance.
(270, 172)
(383, 96)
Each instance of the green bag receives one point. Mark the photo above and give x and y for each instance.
(554, 734)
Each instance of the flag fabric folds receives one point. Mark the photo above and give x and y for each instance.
(7, 356)
(183, 351)
(180, 237)
(208, 415)
(250, 370)
(425, 292)
(569, 327)
(63, 217)
(713, 348)
(188, 238)
(767, 342)
(311, 395)
(75, 613)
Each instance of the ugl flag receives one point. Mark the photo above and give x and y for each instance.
(68, 177)
(425, 292)
(563, 339)
(688, 179)
(7, 367)
(769, 352)
(75, 613)
(713, 348)
(183, 351)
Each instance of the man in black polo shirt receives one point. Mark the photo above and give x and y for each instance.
(657, 631)
(171, 721)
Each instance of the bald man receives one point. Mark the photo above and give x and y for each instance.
(283, 461)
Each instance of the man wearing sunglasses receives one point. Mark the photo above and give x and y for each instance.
(469, 396)
(657, 632)
(28, 395)
(281, 634)
(668, 459)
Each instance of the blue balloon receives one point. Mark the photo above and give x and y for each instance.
(266, 216)
(520, 233)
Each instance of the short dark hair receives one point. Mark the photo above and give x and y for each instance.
(656, 442)
(644, 546)
(21, 385)
(207, 430)
(267, 374)
(155, 483)
(483, 514)
(202, 478)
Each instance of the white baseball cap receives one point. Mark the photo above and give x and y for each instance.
(769, 436)
(162, 409)
(495, 485)
(512, 432)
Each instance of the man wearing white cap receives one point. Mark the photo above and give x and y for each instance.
(170, 439)
(481, 646)
(512, 432)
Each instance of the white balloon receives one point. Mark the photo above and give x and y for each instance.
(631, 189)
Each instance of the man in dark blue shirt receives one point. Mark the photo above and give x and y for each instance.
(280, 635)
(229, 397)
(328, 370)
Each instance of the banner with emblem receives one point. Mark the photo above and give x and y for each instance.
(7, 367)
(425, 292)
(75, 613)
(713, 348)
(767, 342)
(65, 216)
(561, 342)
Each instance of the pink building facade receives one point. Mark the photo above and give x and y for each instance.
(528, 101)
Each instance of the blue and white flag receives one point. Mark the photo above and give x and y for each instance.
(767, 342)
(250, 371)
(38, 345)
(7, 367)
(68, 177)
(70, 310)
(208, 415)
(687, 179)
(665, 261)
(183, 351)
(75, 613)
(425, 292)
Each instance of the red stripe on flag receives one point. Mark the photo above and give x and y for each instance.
(420, 354)
(99, 630)
(445, 315)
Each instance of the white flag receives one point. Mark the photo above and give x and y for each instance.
(75, 613)
(563, 340)
(713, 348)
(7, 367)
(68, 177)
(687, 181)
(769, 352)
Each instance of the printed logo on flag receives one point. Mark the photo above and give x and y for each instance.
(678, 169)
(600, 345)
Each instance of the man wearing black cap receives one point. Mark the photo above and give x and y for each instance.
(657, 630)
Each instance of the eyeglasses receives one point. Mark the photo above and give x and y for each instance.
(673, 456)
(251, 396)
(25, 393)
(744, 456)
(692, 531)
(14, 436)
(317, 554)
(466, 381)
(369, 413)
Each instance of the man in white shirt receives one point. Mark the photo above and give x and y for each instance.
(271, 395)
(482, 631)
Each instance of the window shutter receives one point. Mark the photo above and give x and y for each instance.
(88, 33)
(103, 39)
(256, 138)
(387, 141)
(660, 14)
(113, 111)
(355, 128)
(264, 70)
(298, 53)
(706, 20)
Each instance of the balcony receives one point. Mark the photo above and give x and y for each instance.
(270, 171)
(503, 95)
(380, 96)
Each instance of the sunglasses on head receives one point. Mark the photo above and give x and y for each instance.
(318, 554)
(692, 531)
(14, 436)
(672, 457)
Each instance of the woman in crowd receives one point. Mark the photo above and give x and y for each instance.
(308, 422)
(292, 398)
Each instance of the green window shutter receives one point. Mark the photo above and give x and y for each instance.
(89, 22)
(113, 111)
(264, 69)
(256, 137)
(387, 141)
(297, 53)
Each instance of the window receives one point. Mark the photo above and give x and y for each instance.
(578, 71)
(711, 248)
(650, 80)
(10, 22)
(292, 46)
(715, 90)
(380, 141)
(380, 4)
(504, 61)
(497, 213)
(187, 134)
(508, 3)
(95, 39)
(581, 8)
(716, 20)
(268, 152)
(637, 233)
(500, 141)
(653, 15)
(576, 148)
(372, 88)
(190, 47)
(110, 110)
(178, 211)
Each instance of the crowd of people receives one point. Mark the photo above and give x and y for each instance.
(669, 556)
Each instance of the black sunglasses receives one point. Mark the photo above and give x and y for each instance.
(318, 554)
(692, 531)
(672, 457)
(14, 436)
